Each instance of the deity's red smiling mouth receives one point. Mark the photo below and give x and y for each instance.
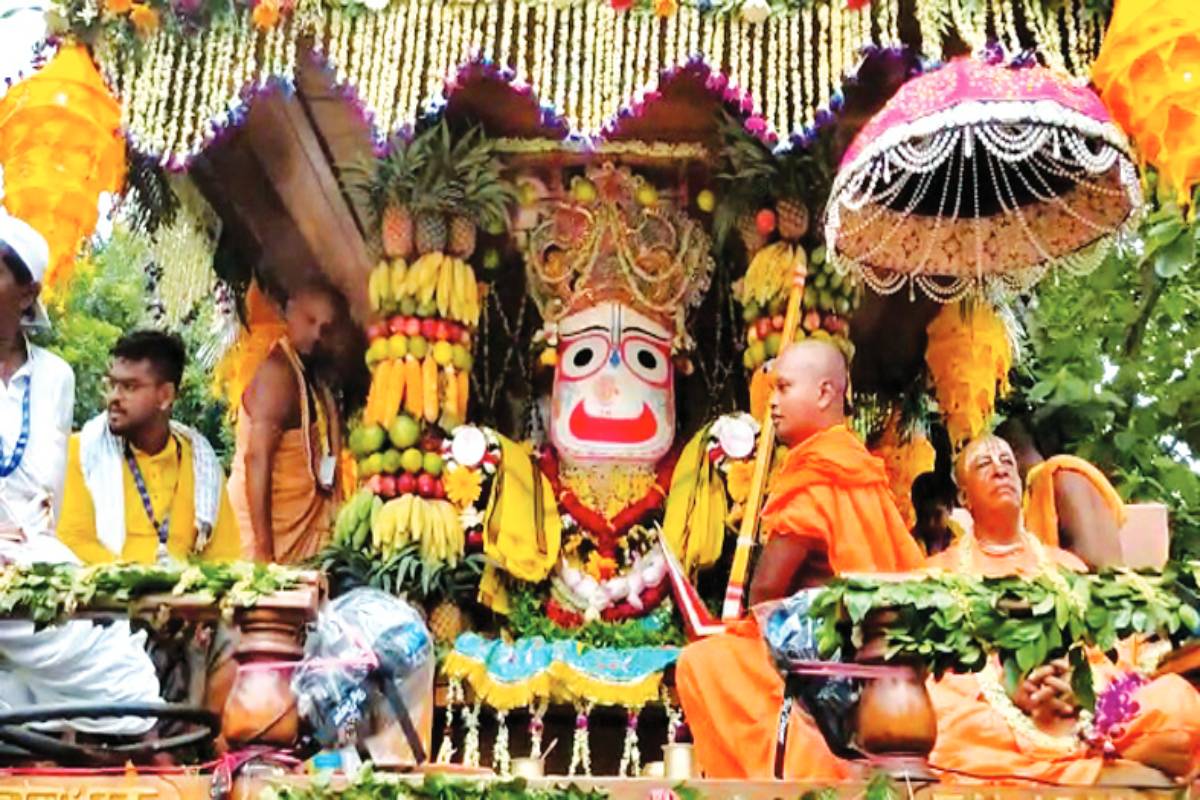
(628, 430)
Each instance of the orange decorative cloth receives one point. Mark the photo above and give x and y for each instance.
(60, 147)
(975, 740)
(833, 493)
(1041, 513)
(1148, 77)
(301, 511)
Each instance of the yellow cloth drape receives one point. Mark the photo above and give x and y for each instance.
(1041, 513)
(167, 475)
(696, 507)
(522, 528)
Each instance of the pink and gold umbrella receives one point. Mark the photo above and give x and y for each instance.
(981, 177)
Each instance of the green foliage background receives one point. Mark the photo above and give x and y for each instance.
(1112, 375)
(107, 297)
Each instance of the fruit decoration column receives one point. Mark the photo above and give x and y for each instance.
(431, 196)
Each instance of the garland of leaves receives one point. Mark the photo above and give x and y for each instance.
(528, 618)
(382, 786)
(954, 622)
(50, 593)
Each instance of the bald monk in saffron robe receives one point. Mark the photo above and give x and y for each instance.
(828, 511)
(1068, 502)
(283, 485)
(984, 733)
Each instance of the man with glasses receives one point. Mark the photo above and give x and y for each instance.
(141, 487)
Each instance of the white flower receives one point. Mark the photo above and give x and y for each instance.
(376, 5)
(755, 11)
(470, 517)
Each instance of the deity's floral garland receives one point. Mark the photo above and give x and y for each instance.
(184, 75)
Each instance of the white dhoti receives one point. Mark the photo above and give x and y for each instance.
(76, 662)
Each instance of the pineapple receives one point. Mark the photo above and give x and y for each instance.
(793, 219)
(752, 238)
(430, 232)
(462, 237)
(397, 231)
(446, 622)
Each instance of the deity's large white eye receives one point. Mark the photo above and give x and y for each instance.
(583, 356)
(647, 359)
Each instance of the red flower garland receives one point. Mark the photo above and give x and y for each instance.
(606, 532)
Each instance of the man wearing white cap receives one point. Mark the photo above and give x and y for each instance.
(78, 661)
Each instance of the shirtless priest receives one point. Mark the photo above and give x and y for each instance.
(985, 733)
(828, 511)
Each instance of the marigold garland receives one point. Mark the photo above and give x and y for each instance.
(969, 355)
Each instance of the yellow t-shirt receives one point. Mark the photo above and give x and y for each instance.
(170, 482)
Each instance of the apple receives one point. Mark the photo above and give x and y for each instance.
(396, 325)
(777, 322)
(377, 330)
(763, 327)
(425, 484)
(475, 540)
(429, 327)
(441, 331)
(411, 460)
(405, 483)
(765, 221)
(387, 486)
(439, 489)
(375, 484)
(412, 326)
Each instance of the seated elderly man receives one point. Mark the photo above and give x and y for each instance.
(982, 730)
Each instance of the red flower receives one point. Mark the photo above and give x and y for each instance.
(855, 5)
(621, 5)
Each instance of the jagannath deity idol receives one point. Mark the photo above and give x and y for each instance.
(579, 523)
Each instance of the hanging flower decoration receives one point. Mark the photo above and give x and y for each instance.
(118, 6)
(969, 355)
(1148, 74)
(265, 14)
(909, 206)
(755, 11)
(666, 8)
(905, 454)
(144, 19)
(60, 147)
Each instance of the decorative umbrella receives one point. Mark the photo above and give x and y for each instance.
(981, 177)
(1148, 73)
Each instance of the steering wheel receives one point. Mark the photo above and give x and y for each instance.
(35, 745)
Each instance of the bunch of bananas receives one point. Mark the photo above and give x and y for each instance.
(434, 524)
(439, 283)
(769, 275)
(353, 523)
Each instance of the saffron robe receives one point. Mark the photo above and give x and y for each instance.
(834, 495)
(976, 741)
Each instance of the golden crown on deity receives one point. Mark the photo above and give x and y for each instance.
(608, 242)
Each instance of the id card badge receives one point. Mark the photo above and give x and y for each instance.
(327, 470)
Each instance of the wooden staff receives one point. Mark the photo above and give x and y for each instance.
(748, 534)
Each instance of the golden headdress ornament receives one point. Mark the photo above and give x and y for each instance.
(611, 247)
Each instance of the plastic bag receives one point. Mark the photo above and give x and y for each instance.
(364, 642)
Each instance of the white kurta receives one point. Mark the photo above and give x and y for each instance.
(77, 662)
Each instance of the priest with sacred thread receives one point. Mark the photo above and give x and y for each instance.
(1037, 732)
(78, 661)
(828, 511)
(141, 487)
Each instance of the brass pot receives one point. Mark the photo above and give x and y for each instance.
(895, 717)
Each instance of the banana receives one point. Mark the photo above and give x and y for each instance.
(450, 394)
(445, 285)
(396, 278)
(404, 506)
(416, 519)
(414, 396)
(429, 277)
(373, 290)
(429, 385)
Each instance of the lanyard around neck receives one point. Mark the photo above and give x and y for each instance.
(162, 528)
(9, 465)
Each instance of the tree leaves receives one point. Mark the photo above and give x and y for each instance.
(953, 622)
